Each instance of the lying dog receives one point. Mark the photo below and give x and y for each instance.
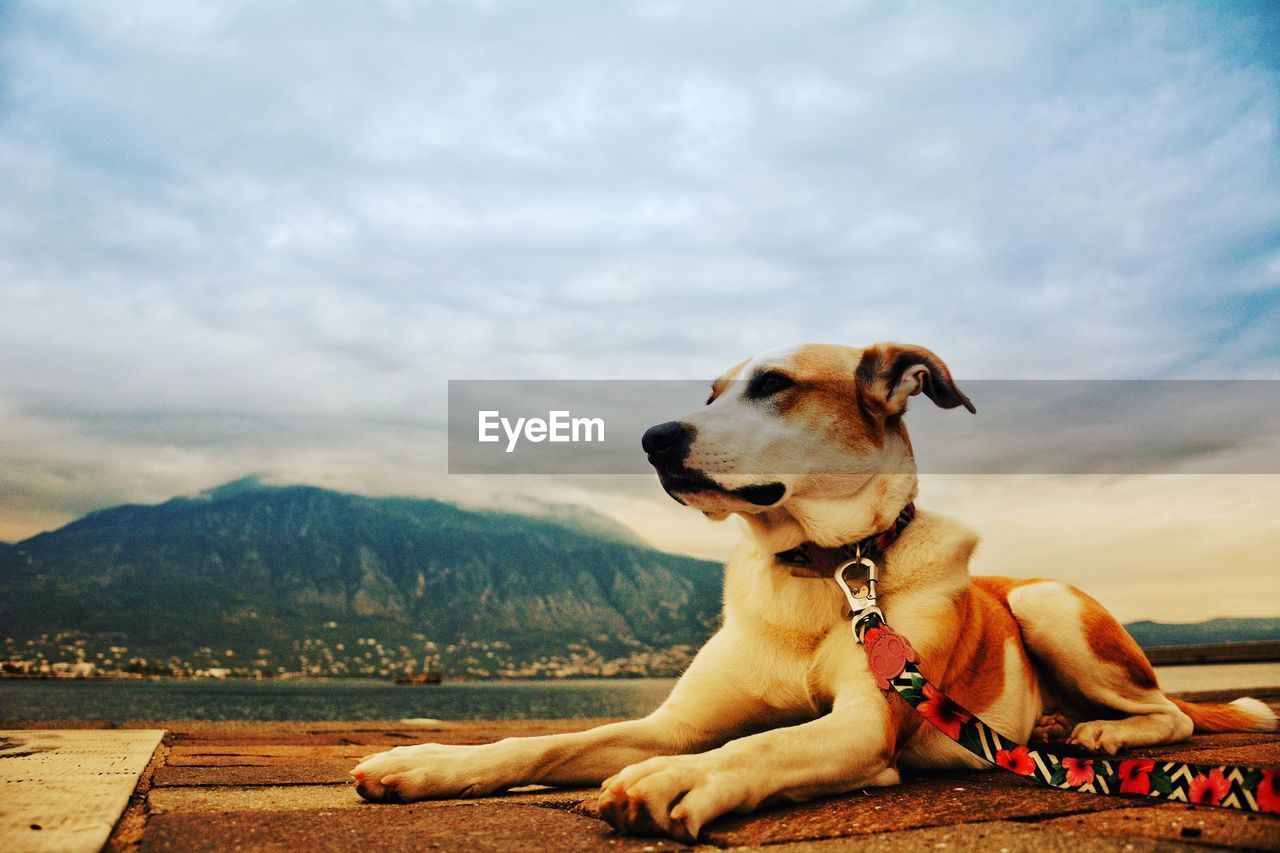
(809, 446)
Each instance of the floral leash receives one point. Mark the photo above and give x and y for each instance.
(893, 663)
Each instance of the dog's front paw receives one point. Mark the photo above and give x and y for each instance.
(1099, 736)
(427, 771)
(674, 795)
(1052, 727)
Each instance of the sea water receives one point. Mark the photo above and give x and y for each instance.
(356, 699)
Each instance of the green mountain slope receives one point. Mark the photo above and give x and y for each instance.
(248, 567)
(1151, 634)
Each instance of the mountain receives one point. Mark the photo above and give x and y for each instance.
(584, 521)
(282, 573)
(1152, 634)
(269, 579)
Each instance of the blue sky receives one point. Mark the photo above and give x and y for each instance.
(261, 237)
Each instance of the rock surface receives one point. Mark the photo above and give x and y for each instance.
(281, 786)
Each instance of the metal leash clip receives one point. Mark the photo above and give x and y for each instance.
(862, 599)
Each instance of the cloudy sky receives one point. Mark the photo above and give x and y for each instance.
(261, 237)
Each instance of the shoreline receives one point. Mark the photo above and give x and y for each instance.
(321, 679)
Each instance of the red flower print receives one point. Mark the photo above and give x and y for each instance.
(942, 712)
(1018, 760)
(1135, 776)
(1079, 771)
(1268, 793)
(1209, 789)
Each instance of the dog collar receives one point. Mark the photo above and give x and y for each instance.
(814, 561)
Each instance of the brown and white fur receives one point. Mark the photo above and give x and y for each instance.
(808, 444)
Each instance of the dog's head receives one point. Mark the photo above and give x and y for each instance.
(811, 420)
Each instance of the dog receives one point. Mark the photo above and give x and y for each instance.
(809, 446)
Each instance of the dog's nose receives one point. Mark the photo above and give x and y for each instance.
(665, 439)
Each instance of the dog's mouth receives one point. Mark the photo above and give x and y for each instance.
(680, 482)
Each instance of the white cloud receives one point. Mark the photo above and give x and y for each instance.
(252, 220)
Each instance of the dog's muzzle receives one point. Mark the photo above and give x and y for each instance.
(667, 446)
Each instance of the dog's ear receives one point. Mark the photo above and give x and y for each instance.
(890, 374)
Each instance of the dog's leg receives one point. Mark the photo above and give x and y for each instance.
(677, 795)
(704, 710)
(1093, 657)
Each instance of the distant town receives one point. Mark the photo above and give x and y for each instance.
(75, 655)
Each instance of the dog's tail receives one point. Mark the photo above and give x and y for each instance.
(1242, 715)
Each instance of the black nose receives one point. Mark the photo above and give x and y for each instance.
(666, 440)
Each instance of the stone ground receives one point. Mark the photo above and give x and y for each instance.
(284, 786)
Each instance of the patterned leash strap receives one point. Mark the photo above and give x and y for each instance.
(893, 662)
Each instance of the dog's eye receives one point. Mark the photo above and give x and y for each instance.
(768, 384)
(773, 383)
